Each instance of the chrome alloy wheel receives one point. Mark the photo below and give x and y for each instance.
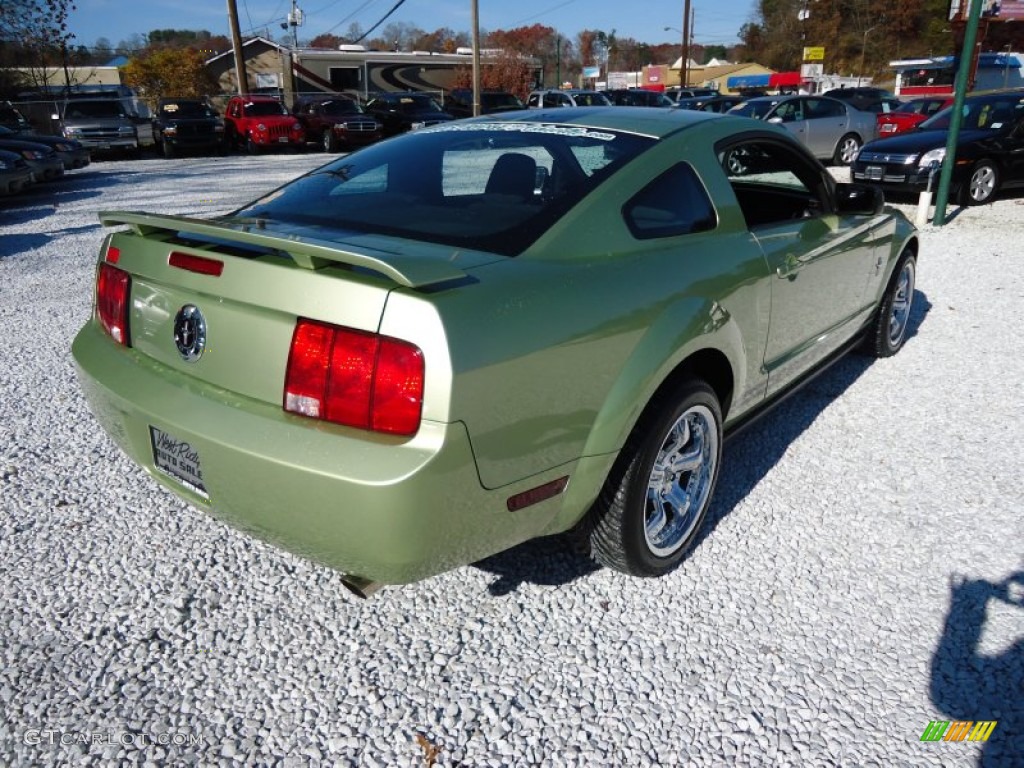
(848, 150)
(983, 183)
(681, 480)
(902, 299)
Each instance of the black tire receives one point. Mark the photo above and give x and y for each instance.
(329, 141)
(168, 149)
(626, 529)
(981, 185)
(846, 149)
(251, 146)
(888, 332)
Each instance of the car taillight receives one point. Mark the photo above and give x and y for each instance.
(113, 287)
(354, 378)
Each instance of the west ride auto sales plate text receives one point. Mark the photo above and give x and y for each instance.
(178, 459)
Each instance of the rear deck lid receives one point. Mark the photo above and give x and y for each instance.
(242, 285)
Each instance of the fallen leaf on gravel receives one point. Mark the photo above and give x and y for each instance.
(430, 750)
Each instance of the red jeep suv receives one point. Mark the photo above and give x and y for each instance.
(255, 123)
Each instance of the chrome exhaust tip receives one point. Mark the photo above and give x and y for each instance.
(360, 587)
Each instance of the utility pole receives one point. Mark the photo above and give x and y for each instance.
(476, 58)
(684, 69)
(294, 20)
(236, 43)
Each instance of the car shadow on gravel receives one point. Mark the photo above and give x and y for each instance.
(15, 245)
(747, 458)
(968, 685)
(953, 209)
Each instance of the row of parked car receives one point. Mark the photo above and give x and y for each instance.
(893, 144)
(28, 158)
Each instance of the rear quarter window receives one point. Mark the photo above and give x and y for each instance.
(675, 203)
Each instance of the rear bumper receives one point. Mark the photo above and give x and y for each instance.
(380, 508)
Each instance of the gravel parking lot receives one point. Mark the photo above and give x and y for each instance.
(862, 572)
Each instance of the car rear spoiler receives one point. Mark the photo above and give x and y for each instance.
(308, 253)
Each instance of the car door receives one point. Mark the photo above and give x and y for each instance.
(822, 263)
(790, 114)
(827, 122)
(1014, 157)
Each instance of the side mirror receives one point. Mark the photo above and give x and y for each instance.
(859, 199)
(775, 120)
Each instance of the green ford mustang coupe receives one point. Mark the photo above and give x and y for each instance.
(445, 344)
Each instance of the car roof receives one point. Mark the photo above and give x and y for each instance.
(657, 123)
(859, 89)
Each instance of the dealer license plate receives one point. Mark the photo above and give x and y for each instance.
(179, 460)
(282, 139)
(874, 172)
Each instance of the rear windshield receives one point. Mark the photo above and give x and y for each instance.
(490, 186)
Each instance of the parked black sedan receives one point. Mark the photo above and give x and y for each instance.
(989, 154)
(71, 153)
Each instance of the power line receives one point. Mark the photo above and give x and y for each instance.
(394, 8)
(544, 13)
(355, 12)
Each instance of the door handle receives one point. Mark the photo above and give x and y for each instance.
(789, 266)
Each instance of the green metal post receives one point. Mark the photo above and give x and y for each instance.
(966, 58)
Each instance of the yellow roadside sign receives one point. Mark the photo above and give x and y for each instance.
(816, 53)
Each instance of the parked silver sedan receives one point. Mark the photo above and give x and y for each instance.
(831, 129)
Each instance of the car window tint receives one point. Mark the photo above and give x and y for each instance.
(472, 172)
(491, 186)
(824, 108)
(675, 203)
(772, 183)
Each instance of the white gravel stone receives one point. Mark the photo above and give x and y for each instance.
(809, 627)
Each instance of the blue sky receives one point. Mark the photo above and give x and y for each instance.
(716, 21)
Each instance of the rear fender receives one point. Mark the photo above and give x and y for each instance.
(687, 328)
